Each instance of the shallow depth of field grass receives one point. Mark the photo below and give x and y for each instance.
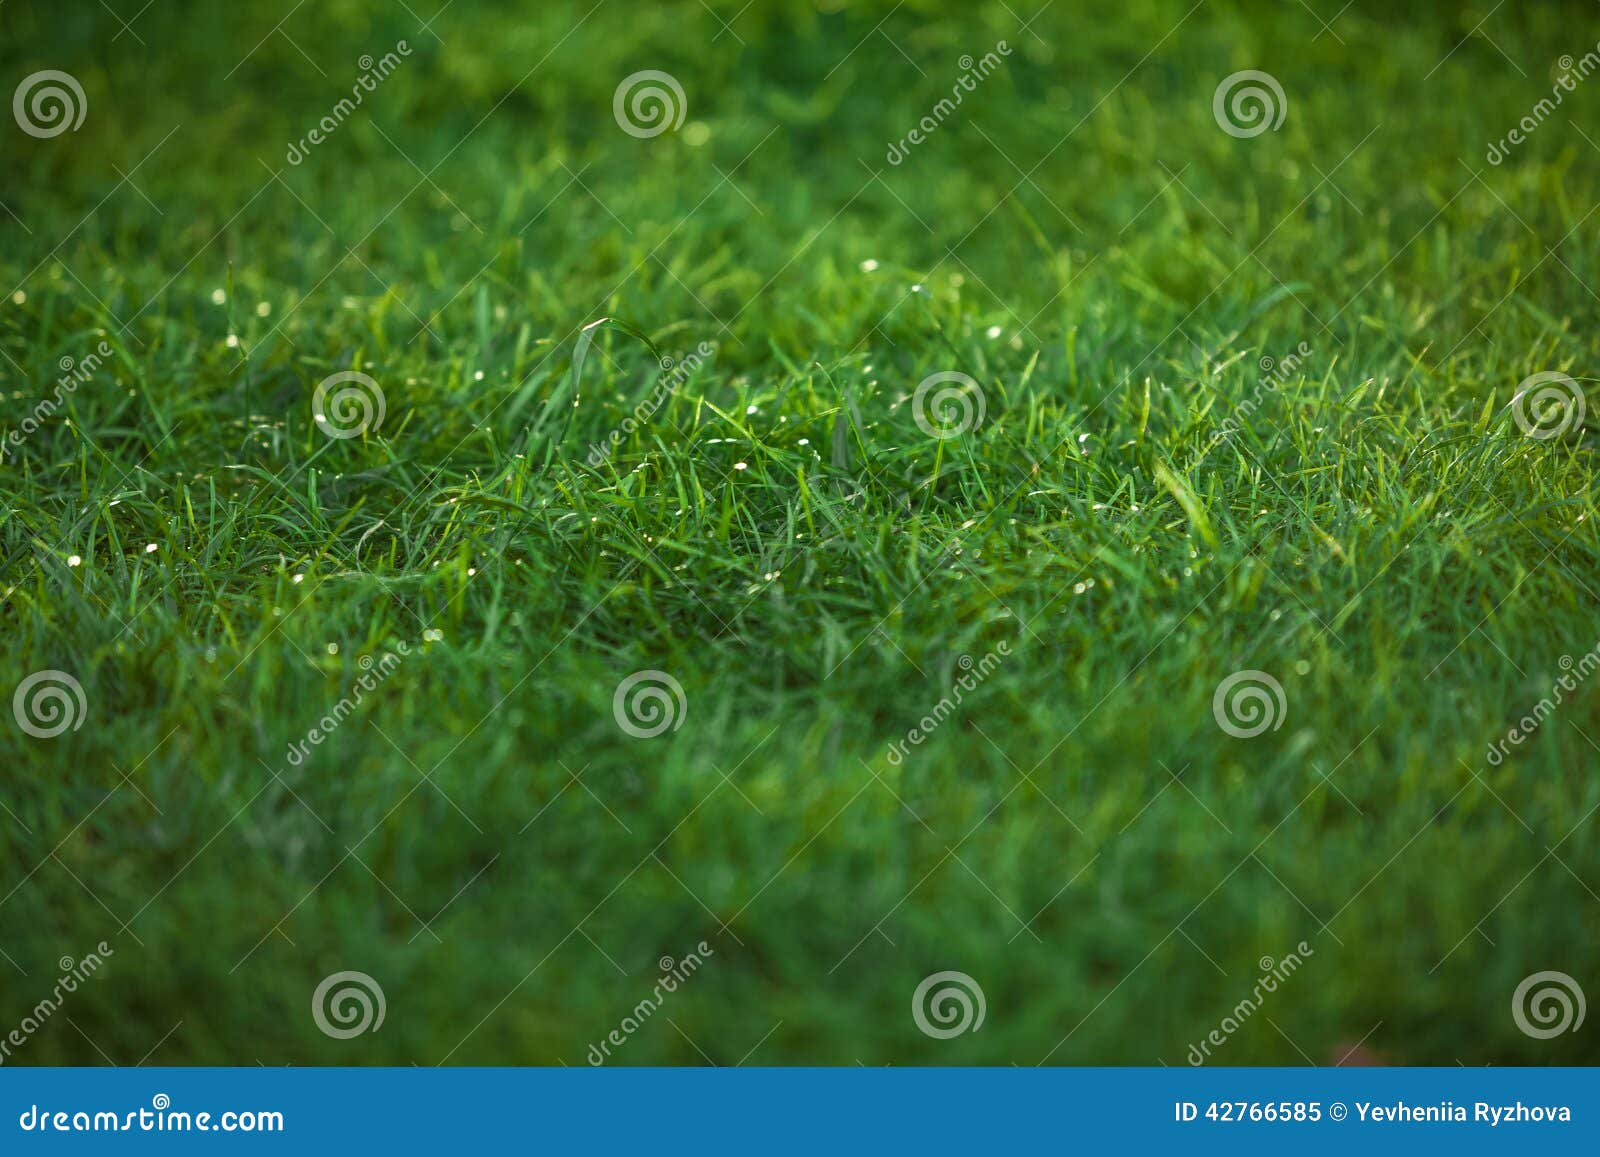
(1136, 518)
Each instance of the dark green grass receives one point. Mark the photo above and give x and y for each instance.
(1080, 836)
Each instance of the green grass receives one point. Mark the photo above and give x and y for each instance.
(1135, 520)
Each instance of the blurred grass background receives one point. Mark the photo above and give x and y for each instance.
(1080, 237)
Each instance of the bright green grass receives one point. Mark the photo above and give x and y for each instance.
(1079, 835)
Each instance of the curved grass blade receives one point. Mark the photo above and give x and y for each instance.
(568, 400)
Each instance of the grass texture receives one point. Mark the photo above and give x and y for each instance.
(1245, 408)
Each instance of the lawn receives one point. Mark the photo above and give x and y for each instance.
(898, 489)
